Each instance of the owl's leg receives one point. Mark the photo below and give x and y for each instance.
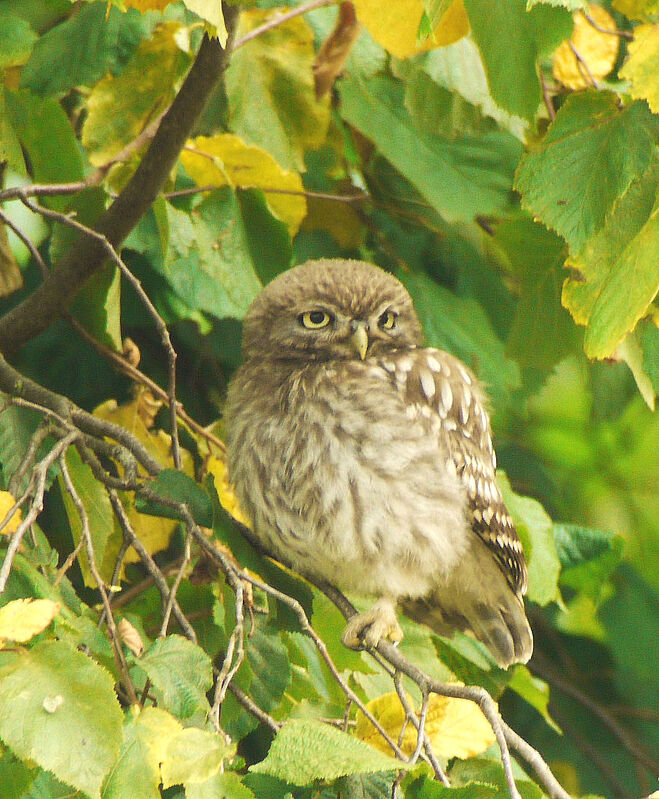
(367, 629)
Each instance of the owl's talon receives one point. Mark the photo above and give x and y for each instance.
(366, 630)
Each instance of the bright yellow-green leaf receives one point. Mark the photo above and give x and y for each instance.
(7, 502)
(119, 108)
(642, 66)
(396, 25)
(338, 219)
(225, 158)
(193, 756)
(637, 9)
(146, 736)
(598, 50)
(616, 275)
(22, 619)
(211, 11)
(456, 727)
(228, 499)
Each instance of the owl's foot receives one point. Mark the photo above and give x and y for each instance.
(369, 628)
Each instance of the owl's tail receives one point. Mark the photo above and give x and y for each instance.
(479, 600)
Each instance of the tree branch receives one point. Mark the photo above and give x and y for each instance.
(56, 293)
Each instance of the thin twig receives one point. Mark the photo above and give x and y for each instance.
(150, 565)
(598, 27)
(122, 665)
(310, 195)
(505, 736)
(251, 707)
(233, 659)
(135, 374)
(27, 241)
(40, 473)
(161, 327)
(546, 96)
(306, 627)
(280, 20)
(175, 586)
(583, 66)
(634, 747)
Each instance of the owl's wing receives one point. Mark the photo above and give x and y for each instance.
(440, 388)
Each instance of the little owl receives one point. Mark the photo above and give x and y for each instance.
(365, 459)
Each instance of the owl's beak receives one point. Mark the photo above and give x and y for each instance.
(359, 338)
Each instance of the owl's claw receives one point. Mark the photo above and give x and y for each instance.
(366, 630)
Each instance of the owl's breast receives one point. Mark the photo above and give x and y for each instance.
(341, 483)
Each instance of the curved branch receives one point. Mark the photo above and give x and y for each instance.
(56, 293)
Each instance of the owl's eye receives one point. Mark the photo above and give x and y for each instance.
(388, 320)
(314, 320)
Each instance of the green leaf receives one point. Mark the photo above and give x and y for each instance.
(542, 332)
(462, 655)
(479, 769)
(535, 691)
(460, 179)
(193, 756)
(272, 100)
(15, 777)
(176, 486)
(58, 708)
(364, 786)
(265, 673)
(79, 51)
(209, 263)
(54, 158)
(511, 40)
(16, 40)
(17, 425)
(648, 335)
(536, 532)
(460, 326)
(98, 306)
(181, 671)
(592, 153)
(136, 772)
(105, 533)
(615, 277)
(459, 69)
(304, 751)
(588, 556)
(221, 786)
(426, 787)
(10, 146)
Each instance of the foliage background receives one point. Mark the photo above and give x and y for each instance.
(501, 159)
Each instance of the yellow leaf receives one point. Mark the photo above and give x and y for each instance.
(598, 50)
(22, 619)
(154, 532)
(147, 5)
(637, 9)
(211, 11)
(338, 219)
(227, 159)
(396, 25)
(642, 66)
(456, 727)
(228, 500)
(7, 502)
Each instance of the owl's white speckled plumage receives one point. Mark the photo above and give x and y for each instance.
(366, 460)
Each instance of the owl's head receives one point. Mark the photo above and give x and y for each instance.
(330, 309)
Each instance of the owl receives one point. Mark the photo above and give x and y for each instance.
(365, 459)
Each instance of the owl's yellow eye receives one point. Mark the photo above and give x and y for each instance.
(388, 320)
(314, 320)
